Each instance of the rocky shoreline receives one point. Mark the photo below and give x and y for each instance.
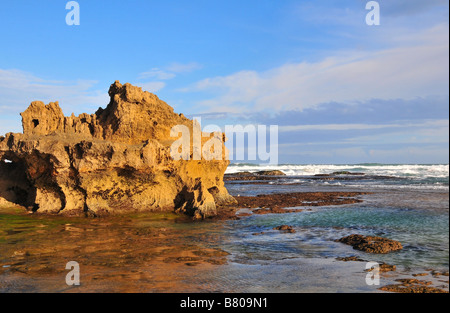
(300, 201)
(94, 166)
(284, 203)
(28, 261)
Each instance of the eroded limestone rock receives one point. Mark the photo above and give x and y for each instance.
(114, 161)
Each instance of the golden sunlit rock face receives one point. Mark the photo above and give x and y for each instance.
(116, 160)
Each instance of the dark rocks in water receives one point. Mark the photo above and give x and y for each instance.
(285, 203)
(285, 228)
(412, 286)
(296, 199)
(340, 173)
(371, 244)
(274, 210)
(437, 273)
(347, 173)
(247, 176)
(260, 175)
(270, 173)
(350, 258)
(258, 234)
(383, 267)
(281, 228)
(240, 174)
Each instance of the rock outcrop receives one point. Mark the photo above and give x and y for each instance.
(371, 244)
(114, 161)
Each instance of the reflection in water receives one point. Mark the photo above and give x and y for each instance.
(169, 253)
(147, 253)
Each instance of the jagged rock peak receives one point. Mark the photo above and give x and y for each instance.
(132, 116)
(116, 160)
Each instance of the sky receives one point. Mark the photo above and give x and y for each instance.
(339, 90)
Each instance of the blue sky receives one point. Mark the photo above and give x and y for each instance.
(341, 91)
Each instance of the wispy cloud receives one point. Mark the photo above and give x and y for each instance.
(152, 86)
(184, 68)
(19, 88)
(403, 72)
(410, 7)
(156, 73)
(350, 127)
(153, 80)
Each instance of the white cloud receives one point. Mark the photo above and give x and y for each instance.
(152, 86)
(19, 88)
(437, 135)
(415, 69)
(345, 127)
(157, 74)
(166, 73)
(184, 68)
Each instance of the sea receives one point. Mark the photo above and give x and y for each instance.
(372, 175)
(152, 253)
(406, 202)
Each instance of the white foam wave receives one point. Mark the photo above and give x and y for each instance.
(399, 170)
(409, 187)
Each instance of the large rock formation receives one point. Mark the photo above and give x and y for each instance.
(116, 160)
